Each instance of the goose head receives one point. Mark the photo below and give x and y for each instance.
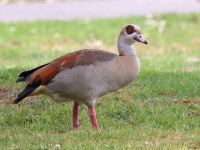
(130, 34)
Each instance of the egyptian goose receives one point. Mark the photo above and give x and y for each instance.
(83, 76)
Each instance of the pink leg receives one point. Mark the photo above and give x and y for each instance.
(93, 119)
(75, 116)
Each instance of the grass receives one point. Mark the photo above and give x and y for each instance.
(160, 110)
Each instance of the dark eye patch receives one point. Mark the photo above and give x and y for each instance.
(130, 29)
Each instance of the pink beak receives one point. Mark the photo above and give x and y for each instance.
(141, 40)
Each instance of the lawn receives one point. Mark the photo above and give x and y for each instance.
(159, 110)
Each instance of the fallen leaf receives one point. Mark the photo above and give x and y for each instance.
(193, 59)
(96, 43)
(2, 101)
(195, 41)
(57, 132)
(186, 101)
(3, 90)
(190, 69)
(175, 138)
(16, 43)
(163, 93)
(142, 103)
(195, 145)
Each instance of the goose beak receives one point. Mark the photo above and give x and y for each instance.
(145, 42)
(141, 40)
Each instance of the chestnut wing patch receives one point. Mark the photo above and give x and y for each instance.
(45, 73)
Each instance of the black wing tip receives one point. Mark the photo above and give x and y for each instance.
(16, 101)
(25, 74)
(20, 97)
(20, 79)
(28, 90)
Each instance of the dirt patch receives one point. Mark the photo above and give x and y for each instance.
(195, 145)
(3, 93)
(186, 101)
(6, 96)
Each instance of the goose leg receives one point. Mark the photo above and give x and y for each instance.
(75, 116)
(93, 119)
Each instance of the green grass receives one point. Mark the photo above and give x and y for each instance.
(160, 110)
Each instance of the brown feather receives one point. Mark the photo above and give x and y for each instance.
(83, 57)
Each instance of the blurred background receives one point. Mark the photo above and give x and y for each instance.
(27, 10)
